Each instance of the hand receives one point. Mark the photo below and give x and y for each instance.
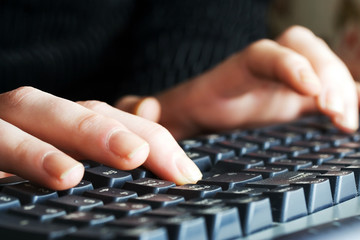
(268, 82)
(42, 135)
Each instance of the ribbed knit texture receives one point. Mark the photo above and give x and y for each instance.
(102, 49)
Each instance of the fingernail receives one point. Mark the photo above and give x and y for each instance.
(349, 121)
(188, 169)
(126, 144)
(60, 165)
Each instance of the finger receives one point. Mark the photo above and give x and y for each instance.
(4, 174)
(73, 128)
(338, 98)
(33, 159)
(145, 107)
(166, 159)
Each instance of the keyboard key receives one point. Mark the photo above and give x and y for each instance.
(255, 213)
(38, 211)
(305, 132)
(148, 185)
(25, 228)
(334, 140)
(343, 162)
(312, 145)
(105, 176)
(316, 159)
(290, 151)
(292, 165)
(108, 195)
(187, 144)
(201, 203)
(72, 203)
(282, 180)
(230, 180)
(83, 219)
(240, 192)
(321, 168)
(337, 152)
(236, 164)
(140, 172)
(189, 191)
(158, 200)
(263, 142)
(267, 171)
(287, 203)
(146, 232)
(286, 137)
(11, 180)
(266, 156)
(123, 209)
(317, 193)
(211, 138)
(7, 202)
(216, 153)
(239, 147)
(29, 193)
(202, 161)
(78, 189)
(342, 184)
(185, 227)
(356, 170)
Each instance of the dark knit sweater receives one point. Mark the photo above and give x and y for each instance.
(103, 49)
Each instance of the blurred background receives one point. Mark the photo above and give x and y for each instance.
(336, 21)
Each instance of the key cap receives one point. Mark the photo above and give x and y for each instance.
(202, 161)
(266, 156)
(222, 222)
(38, 211)
(187, 144)
(342, 184)
(353, 156)
(356, 170)
(201, 203)
(316, 159)
(343, 162)
(83, 219)
(352, 145)
(255, 213)
(123, 209)
(216, 153)
(139, 173)
(286, 137)
(72, 203)
(305, 132)
(282, 180)
(11, 180)
(234, 134)
(189, 191)
(132, 222)
(7, 202)
(147, 232)
(240, 192)
(105, 176)
(158, 200)
(263, 142)
(290, 151)
(292, 165)
(267, 171)
(185, 227)
(230, 180)
(334, 140)
(288, 203)
(211, 138)
(108, 195)
(29, 193)
(337, 152)
(25, 228)
(166, 213)
(312, 145)
(78, 189)
(148, 185)
(239, 147)
(321, 168)
(317, 193)
(236, 164)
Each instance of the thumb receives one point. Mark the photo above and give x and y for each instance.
(145, 107)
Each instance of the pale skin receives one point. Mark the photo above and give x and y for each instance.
(42, 136)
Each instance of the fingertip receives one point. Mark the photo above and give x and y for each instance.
(148, 108)
(190, 173)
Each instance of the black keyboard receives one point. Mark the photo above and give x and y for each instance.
(299, 180)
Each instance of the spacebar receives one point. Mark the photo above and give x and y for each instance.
(347, 228)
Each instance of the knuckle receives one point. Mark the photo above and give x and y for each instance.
(88, 122)
(94, 104)
(15, 97)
